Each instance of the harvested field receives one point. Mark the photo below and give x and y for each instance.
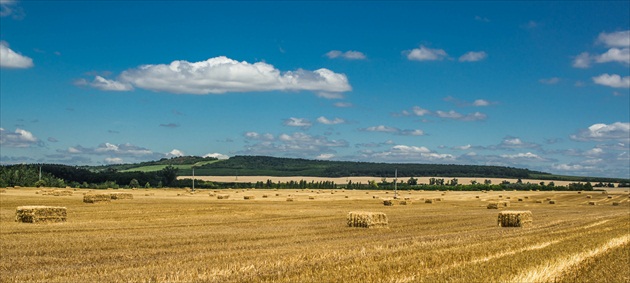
(165, 238)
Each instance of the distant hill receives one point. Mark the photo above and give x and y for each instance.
(273, 166)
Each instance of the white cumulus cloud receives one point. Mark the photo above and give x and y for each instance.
(217, 156)
(473, 56)
(109, 85)
(426, 54)
(613, 80)
(297, 122)
(599, 132)
(615, 55)
(615, 39)
(349, 55)
(19, 138)
(12, 59)
(326, 121)
(222, 75)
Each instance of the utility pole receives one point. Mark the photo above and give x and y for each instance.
(193, 171)
(396, 184)
(40, 172)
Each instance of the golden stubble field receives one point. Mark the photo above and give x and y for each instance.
(170, 235)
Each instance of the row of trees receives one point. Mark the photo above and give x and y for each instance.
(62, 175)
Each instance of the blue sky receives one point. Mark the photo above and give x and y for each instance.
(539, 85)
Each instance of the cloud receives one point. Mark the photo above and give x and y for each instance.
(108, 85)
(615, 55)
(407, 153)
(330, 95)
(217, 156)
(615, 39)
(113, 160)
(582, 61)
(343, 104)
(452, 114)
(393, 130)
(482, 19)
(220, 75)
(523, 156)
(600, 132)
(473, 56)
(325, 156)
(348, 55)
(477, 116)
(20, 138)
(175, 153)
(9, 8)
(426, 54)
(119, 150)
(531, 25)
(293, 145)
(13, 60)
(614, 80)
(481, 102)
(550, 81)
(260, 137)
(326, 121)
(298, 122)
(51, 139)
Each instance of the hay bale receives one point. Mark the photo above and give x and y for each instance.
(609, 197)
(265, 196)
(116, 196)
(552, 201)
(367, 219)
(223, 196)
(513, 218)
(438, 199)
(388, 202)
(616, 203)
(404, 202)
(290, 199)
(498, 204)
(592, 203)
(589, 196)
(40, 214)
(249, 197)
(539, 201)
(579, 192)
(149, 194)
(429, 200)
(311, 197)
(94, 198)
(62, 193)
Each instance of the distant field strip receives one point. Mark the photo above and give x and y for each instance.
(551, 270)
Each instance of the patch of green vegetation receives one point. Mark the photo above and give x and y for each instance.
(158, 167)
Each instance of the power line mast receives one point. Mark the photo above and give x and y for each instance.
(396, 184)
(193, 177)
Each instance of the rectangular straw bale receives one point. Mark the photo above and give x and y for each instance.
(94, 198)
(429, 200)
(404, 202)
(62, 193)
(498, 204)
(290, 199)
(40, 214)
(539, 201)
(223, 196)
(616, 203)
(249, 197)
(388, 202)
(592, 203)
(116, 196)
(513, 218)
(589, 196)
(367, 219)
(552, 201)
